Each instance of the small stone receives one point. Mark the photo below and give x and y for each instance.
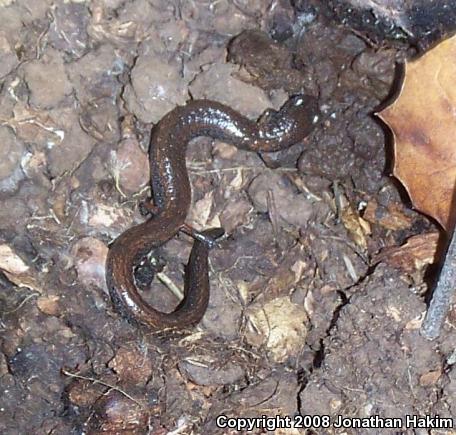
(89, 256)
(37, 78)
(132, 365)
(49, 305)
(132, 165)
(11, 151)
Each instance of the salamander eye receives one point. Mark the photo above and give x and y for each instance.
(298, 101)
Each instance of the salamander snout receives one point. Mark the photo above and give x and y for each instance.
(302, 108)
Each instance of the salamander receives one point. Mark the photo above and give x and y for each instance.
(275, 130)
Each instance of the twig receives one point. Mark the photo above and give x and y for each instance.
(443, 294)
(175, 290)
(105, 384)
(273, 215)
(235, 168)
(24, 301)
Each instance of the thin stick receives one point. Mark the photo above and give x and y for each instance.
(175, 290)
(443, 294)
(105, 384)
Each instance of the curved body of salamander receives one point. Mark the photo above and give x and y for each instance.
(274, 131)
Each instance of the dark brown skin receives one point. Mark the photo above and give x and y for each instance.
(276, 130)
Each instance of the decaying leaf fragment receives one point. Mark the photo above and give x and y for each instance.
(16, 270)
(279, 325)
(357, 227)
(391, 217)
(417, 253)
(423, 120)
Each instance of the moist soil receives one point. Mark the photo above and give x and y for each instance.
(305, 316)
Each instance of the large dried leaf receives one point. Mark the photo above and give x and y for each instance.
(423, 120)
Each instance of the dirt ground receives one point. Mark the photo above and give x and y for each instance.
(310, 311)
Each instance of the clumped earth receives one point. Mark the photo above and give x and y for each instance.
(302, 318)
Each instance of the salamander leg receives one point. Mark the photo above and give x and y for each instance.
(148, 208)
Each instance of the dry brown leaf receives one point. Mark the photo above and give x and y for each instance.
(417, 252)
(423, 120)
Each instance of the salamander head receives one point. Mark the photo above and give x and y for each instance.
(301, 108)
